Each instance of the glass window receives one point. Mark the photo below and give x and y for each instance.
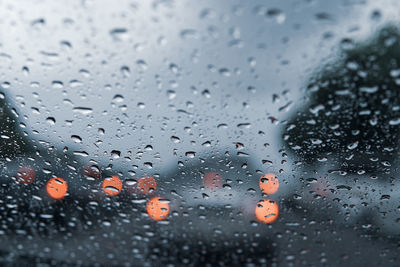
(200, 133)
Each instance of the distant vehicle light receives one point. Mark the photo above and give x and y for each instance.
(212, 180)
(57, 188)
(158, 210)
(26, 175)
(269, 184)
(92, 171)
(112, 185)
(267, 211)
(146, 185)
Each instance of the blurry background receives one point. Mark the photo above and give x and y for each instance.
(176, 89)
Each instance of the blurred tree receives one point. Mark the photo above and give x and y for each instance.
(13, 141)
(352, 116)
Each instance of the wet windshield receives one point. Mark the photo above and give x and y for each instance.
(200, 133)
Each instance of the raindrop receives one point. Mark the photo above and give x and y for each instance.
(190, 154)
(353, 145)
(126, 72)
(148, 165)
(276, 14)
(394, 121)
(119, 34)
(118, 98)
(76, 138)
(115, 154)
(175, 139)
(141, 64)
(188, 33)
(225, 72)
(171, 94)
(51, 120)
(83, 110)
(245, 125)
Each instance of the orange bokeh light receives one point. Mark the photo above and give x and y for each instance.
(25, 175)
(157, 209)
(267, 211)
(92, 171)
(146, 185)
(269, 184)
(112, 185)
(322, 187)
(212, 180)
(57, 188)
